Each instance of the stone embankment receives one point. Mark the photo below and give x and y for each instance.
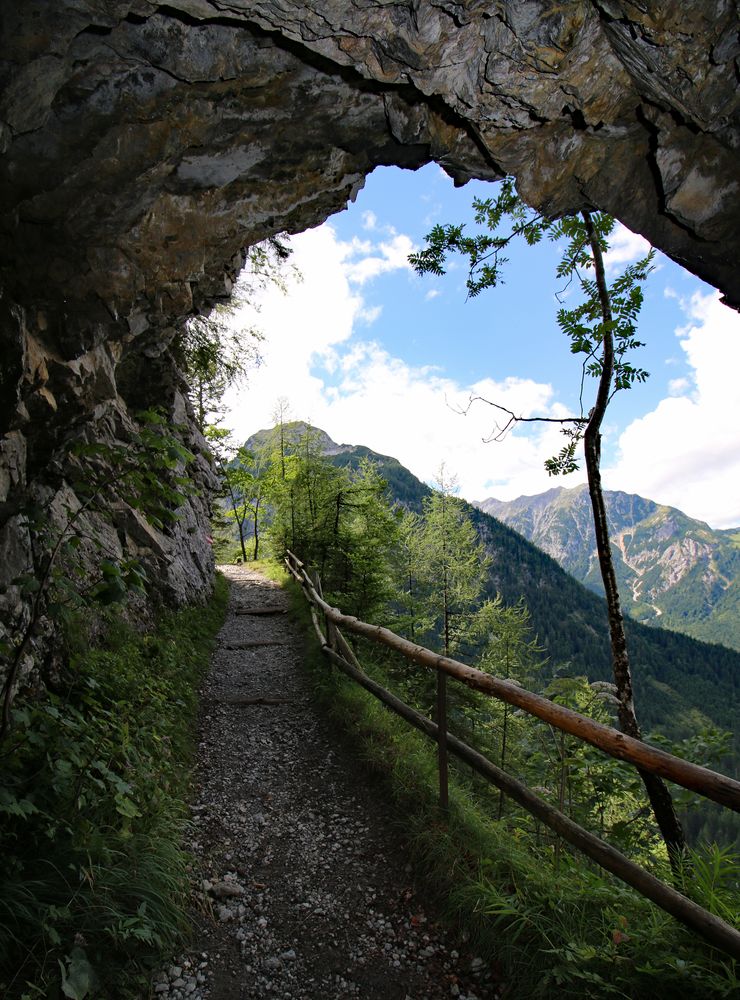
(304, 888)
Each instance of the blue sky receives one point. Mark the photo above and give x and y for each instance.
(377, 355)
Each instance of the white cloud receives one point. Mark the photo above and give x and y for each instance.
(686, 452)
(432, 294)
(369, 220)
(625, 247)
(359, 393)
(369, 314)
(678, 386)
(380, 258)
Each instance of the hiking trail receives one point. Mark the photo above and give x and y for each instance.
(304, 884)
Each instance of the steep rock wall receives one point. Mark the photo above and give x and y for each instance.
(145, 145)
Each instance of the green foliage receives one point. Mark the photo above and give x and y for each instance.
(247, 481)
(604, 339)
(213, 354)
(440, 565)
(452, 565)
(91, 801)
(682, 685)
(549, 927)
(148, 474)
(337, 520)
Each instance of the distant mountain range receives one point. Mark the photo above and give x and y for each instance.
(673, 571)
(681, 683)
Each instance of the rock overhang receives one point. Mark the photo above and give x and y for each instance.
(144, 146)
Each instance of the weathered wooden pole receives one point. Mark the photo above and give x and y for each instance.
(444, 796)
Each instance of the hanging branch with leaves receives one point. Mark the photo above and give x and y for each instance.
(214, 351)
(601, 329)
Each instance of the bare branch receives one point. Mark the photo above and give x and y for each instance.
(514, 419)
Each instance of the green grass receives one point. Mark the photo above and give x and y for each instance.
(92, 803)
(571, 931)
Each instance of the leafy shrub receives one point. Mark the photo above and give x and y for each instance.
(92, 810)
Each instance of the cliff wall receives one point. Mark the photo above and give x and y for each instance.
(143, 146)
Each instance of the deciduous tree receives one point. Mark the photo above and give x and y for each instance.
(602, 329)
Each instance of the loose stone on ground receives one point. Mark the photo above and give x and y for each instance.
(304, 890)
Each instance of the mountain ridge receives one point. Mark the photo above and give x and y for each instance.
(681, 684)
(673, 571)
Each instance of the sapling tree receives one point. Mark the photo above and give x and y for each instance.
(453, 565)
(601, 329)
(509, 650)
(410, 619)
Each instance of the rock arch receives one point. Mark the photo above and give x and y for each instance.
(144, 145)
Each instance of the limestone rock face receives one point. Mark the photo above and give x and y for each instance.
(143, 147)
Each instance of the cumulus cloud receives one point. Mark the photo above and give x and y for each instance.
(318, 354)
(625, 247)
(365, 260)
(686, 452)
(677, 386)
(359, 393)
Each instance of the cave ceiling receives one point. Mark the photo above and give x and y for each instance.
(145, 145)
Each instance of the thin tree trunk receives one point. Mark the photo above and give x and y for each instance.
(256, 529)
(239, 522)
(660, 798)
(241, 538)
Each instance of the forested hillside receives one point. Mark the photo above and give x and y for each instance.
(359, 518)
(680, 682)
(447, 577)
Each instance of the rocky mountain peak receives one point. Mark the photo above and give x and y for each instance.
(672, 570)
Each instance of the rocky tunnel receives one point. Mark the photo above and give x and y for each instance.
(143, 146)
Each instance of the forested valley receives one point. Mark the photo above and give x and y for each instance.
(431, 567)
(427, 565)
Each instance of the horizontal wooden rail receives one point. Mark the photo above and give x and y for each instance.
(701, 921)
(706, 782)
(712, 928)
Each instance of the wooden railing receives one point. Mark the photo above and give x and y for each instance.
(710, 784)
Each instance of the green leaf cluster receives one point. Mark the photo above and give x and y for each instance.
(212, 350)
(91, 807)
(584, 324)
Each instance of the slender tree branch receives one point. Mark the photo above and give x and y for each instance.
(514, 418)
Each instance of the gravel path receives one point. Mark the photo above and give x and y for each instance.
(305, 891)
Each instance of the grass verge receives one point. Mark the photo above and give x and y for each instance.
(92, 802)
(570, 931)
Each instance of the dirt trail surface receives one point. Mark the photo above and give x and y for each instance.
(306, 892)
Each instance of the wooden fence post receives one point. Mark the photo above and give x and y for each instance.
(329, 625)
(442, 739)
